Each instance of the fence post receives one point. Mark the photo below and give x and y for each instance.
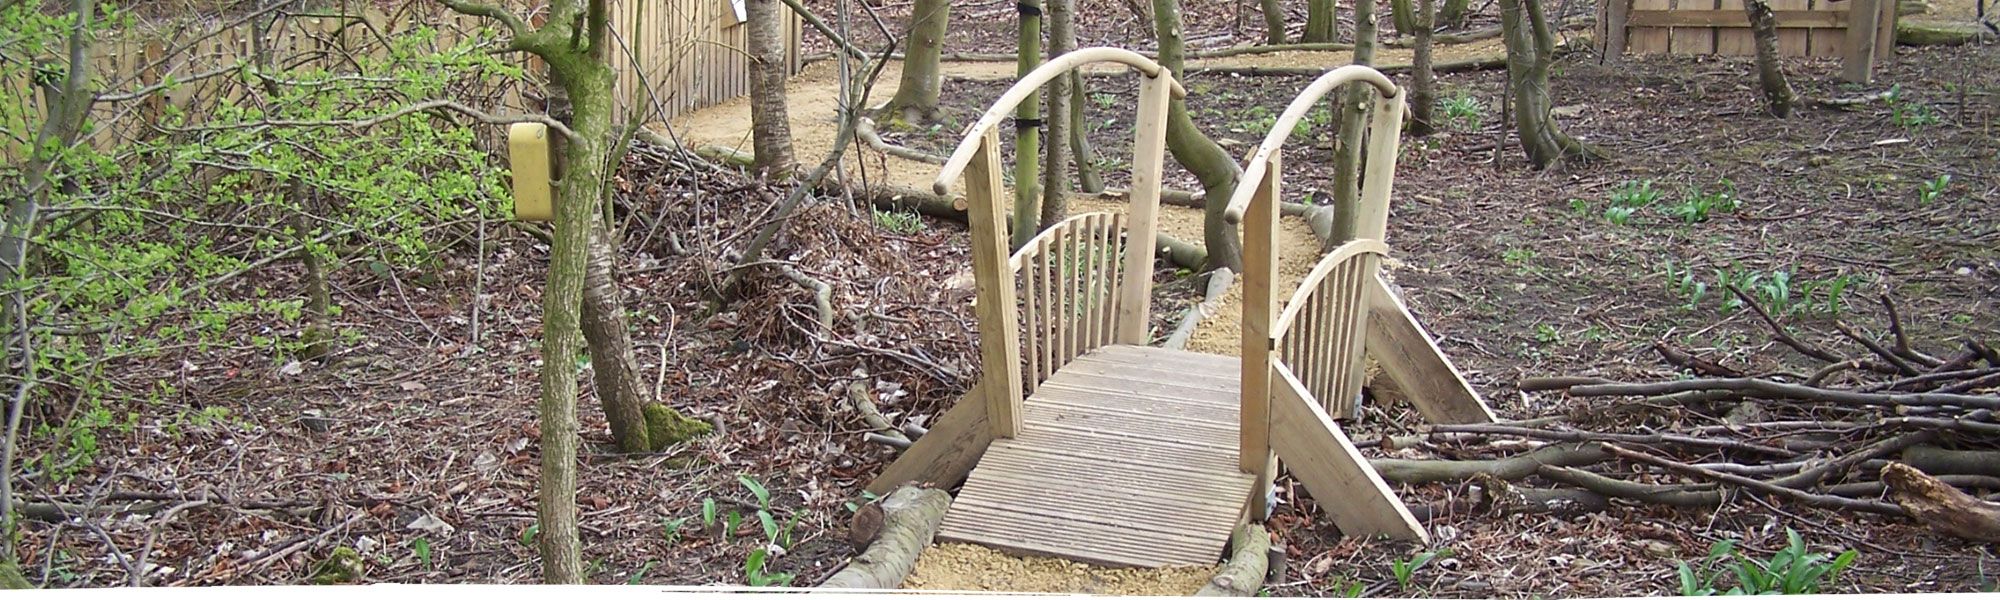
(1857, 61)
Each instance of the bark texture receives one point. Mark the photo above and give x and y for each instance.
(916, 99)
(1087, 177)
(1210, 164)
(1274, 21)
(1940, 506)
(1351, 107)
(770, 123)
(1453, 13)
(614, 368)
(1778, 97)
(1423, 78)
(1322, 22)
(1403, 16)
(909, 519)
(1027, 132)
(1249, 559)
(1055, 158)
(1531, 50)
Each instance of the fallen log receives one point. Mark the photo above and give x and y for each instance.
(1934, 33)
(908, 519)
(1249, 560)
(1218, 284)
(1942, 507)
(1509, 468)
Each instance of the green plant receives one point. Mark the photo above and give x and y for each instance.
(1697, 205)
(1405, 570)
(672, 529)
(1682, 282)
(708, 512)
(1619, 215)
(1463, 111)
(1930, 191)
(755, 575)
(1547, 334)
(1518, 256)
(640, 574)
(867, 497)
(528, 535)
(1791, 570)
(1579, 206)
(899, 222)
(421, 549)
(1907, 113)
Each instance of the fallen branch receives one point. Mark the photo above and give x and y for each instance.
(1592, 436)
(822, 294)
(1754, 485)
(1509, 468)
(902, 525)
(1758, 388)
(1942, 507)
(1249, 560)
(1685, 496)
(1481, 63)
(863, 403)
(1218, 284)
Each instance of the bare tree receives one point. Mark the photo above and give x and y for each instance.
(1027, 127)
(1274, 21)
(1778, 97)
(1531, 49)
(916, 99)
(1423, 79)
(770, 124)
(1055, 164)
(1351, 107)
(1211, 164)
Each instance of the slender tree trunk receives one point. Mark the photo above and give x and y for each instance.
(1423, 80)
(1778, 97)
(1211, 164)
(1055, 160)
(1351, 106)
(1274, 21)
(916, 99)
(1403, 16)
(1027, 130)
(1452, 14)
(1087, 177)
(316, 338)
(1530, 51)
(1322, 22)
(770, 125)
(613, 366)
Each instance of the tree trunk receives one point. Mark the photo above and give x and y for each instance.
(1210, 164)
(1055, 160)
(1452, 14)
(1351, 106)
(916, 100)
(614, 368)
(1530, 52)
(1087, 177)
(1403, 16)
(1778, 97)
(1322, 22)
(1423, 81)
(770, 125)
(1249, 559)
(1274, 21)
(1027, 130)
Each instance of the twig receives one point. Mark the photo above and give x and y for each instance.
(1592, 436)
(1902, 347)
(139, 575)
(1670, 495)
(1876, 348)
(476, 114)
(1778, 331)
(1807, 498)
(822, 294)
(859, 398)
(1758, 388)
(1811, 477)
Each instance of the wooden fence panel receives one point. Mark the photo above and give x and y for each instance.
(1805, 27)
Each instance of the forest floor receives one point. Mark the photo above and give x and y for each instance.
(414, 445)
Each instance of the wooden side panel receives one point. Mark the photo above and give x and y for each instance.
(1695, 39)
(1647, 39)
(999, 349)
(1321, 457)
(1260, 303)
(1735, 41)
(1411, 358)
(945, 455)
(1791, 41)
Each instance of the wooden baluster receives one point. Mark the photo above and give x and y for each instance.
(1047, 330)
(1031, 321)
(1357, 323)
(1107, 272)
(1112, 296)
(1093, 243)
(1334, 289)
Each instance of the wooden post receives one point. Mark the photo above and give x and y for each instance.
(1141, 230)
(1385, 130)
(999, 344)
(1260, 306)
(1616, 12)
(1857, 62)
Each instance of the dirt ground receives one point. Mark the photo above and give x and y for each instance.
(964, 567)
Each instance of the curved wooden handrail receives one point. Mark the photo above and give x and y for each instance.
(1014, 262)
(1282, 130)
(1326, 265)
(1004, 107)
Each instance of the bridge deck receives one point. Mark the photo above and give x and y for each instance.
(1127, 457)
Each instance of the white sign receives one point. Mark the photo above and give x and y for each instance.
(741, 16)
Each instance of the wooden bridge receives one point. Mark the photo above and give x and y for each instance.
(1083, 441)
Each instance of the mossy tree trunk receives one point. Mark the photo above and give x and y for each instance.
(1322, 22)
(1423, 80)
(916, 100)
(1027, 130)
(1403, 15)
(1087, 177)
(1778, 97)
(1055, 159)
(1274, 21)
(1453, 13)
(1530, 52)
(1210, 164)
(1351, 107)
(770, 123)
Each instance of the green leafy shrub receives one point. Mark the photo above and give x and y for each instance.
(1791, 570)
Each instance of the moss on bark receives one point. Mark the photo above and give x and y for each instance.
(666, 427)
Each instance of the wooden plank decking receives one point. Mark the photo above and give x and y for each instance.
(1126, 457)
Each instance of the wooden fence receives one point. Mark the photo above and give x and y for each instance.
(1805, 27)
(671, 56)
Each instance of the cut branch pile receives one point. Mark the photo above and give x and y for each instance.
(1889, 430)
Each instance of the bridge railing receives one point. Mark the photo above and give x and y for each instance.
(1068, 289)
(1324, 329)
